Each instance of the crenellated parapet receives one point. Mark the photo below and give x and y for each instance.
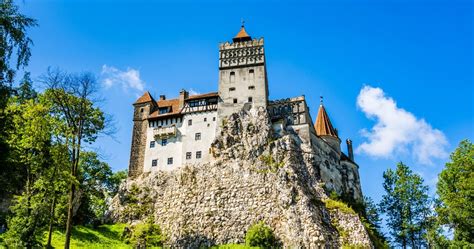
(244, 53)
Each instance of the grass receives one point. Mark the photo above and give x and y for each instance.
(104, 236)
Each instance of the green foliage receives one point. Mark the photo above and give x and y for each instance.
(456, 193)
(34, 151)
(145, 234)
(13, 41)
(260, 235)
(406, 205)
(99, 185)
(136, 205)
(272, 164)
(339, 205)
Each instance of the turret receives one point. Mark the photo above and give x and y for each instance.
(325, 130)
(142, 108)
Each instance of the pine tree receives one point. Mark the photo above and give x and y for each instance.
(406, 205)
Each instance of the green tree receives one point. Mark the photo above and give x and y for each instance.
(13, 41)
(406, 205)
(81, 121)
(98, 185)
(14, 55)
(31, 146)
(456, 193)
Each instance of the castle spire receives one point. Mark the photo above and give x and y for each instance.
(242, 35)
(323, 124)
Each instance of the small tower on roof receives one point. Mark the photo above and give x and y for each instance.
(325, 130)
(242, 35)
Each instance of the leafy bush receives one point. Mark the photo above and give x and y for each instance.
(343, 207)
(260, 235)
(145, 234)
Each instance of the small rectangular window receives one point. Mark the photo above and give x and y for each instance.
(197, 136)
(231, 89)
(188, 155)
(164, 142)
(250, 99)
(235, 101)
(152, 144)
(198, 154)
(205, 119)
(190, 122)
(251, 87)
(170, 160)
(154, 162)
(213, 118)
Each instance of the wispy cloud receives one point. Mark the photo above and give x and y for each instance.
(128, 79)
(397, 130)
(193, 92)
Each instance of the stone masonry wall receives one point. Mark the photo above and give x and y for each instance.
(254, 177)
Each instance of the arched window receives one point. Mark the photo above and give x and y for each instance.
(232, 77)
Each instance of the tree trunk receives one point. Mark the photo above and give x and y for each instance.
(72, 190)
(51, 221)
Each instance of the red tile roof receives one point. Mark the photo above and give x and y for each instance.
(323, 125)
(174, 104)
(146, 97)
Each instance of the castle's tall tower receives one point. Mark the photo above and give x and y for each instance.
(242, 74)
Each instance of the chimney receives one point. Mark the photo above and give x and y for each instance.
(349, 149)
(183, 95)
(162, 97)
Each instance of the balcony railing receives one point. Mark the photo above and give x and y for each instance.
(164, 132)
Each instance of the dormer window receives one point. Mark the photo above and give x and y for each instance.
(163, 110)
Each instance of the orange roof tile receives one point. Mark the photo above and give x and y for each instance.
(174, 104)
(146, 97)
(242, 33)
(323, 125)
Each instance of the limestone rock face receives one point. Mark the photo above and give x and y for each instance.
(253, 177)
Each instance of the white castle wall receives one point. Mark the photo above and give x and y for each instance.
(208, 133)
(183, 142)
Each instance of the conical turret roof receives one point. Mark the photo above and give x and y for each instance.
(323, 124)
(242, 35)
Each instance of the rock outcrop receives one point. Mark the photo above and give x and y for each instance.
(254, 177)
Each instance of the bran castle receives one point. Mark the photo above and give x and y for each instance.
(170, 133)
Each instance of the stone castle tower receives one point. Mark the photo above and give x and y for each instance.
(242, 74)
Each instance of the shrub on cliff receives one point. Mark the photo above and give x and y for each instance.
(260, 235)
(144, 235)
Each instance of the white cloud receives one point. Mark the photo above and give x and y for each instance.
(127, 79)
(193, 92)
(397, 130)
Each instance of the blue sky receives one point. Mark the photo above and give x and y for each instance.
(415, 59)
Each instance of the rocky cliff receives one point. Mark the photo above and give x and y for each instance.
(254, 177)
